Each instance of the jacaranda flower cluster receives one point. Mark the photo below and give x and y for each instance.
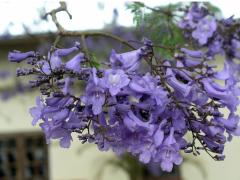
(149, 112)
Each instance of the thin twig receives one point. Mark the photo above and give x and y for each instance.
(53, 13)
(96, 33)
(62, 32)
(84, 46)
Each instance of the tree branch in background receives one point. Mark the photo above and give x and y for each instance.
(53, 13)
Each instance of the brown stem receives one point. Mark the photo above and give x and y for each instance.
(96, 33)
(84, 45)
(62, 32)
(53, 13)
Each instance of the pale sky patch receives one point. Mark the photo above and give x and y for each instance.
(86, 13)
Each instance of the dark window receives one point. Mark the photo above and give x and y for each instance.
(23, 156)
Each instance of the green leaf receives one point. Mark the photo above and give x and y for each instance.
(159, 25)
(94, 62)
(137, 10)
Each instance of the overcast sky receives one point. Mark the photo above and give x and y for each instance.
(87, 14)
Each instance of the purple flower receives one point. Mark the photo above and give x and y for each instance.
(145, 156)
(225, 73)
(17, 56)
(229, 21)
(74, 63)
(44, 67)
(59, 102)
(67, 85)
(169, 153)
(198, 96)
(60, 116)
(128, 61)
(195, 13)
(95, 93)
(67, 51)
(65, 141)
(64, 129)
(178, 121)
(149, 85)
(223, 95)
(55, 61)
(214, 146)
(58, 121)
(191, 62)
(192, 53)
(53, 118)
(179, 87)
(159, 134)
(37, 112)
(205, 29)
(95, 96)
(231, 124)
(234, 49)
(115, 80)
(52, 131)
(55, 58)
(134, 124)
(75, 121)
(215, 47)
